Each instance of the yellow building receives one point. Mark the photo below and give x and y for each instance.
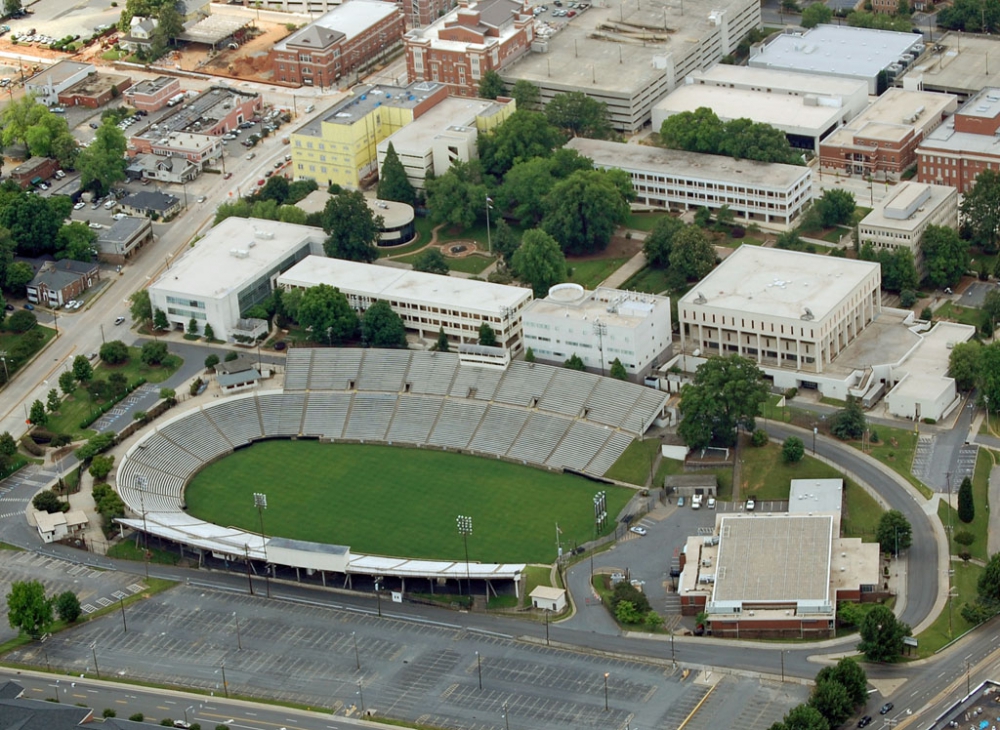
(340, 147)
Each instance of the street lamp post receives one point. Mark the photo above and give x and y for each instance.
(361, 694)
(506, 721)
(601, 329)
(239, 640)
(225, 685)
(479, 668)
(97, 669)
(782, 666)
(121, 602)
(246, 561)
(986, 402)
(260, 502)
(815, 431)
(606, 691)
(546, 626)
(190, 707)
(357, 657)
(378, 594)
(489, 238)
(140, 484)
(464, 523)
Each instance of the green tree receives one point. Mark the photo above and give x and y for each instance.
(160, 321)
(52, 400)
(140, 307)
(32, 223)
(491, 85)
(523, 136)
(526, 95)
(211, 361)
(966, 504)
(578, 115)
(352, 228)
(746, 140)
(529, 355)
(989, 583)
(21, 321)
(47, 501)
(114, 352)
(28, 609)
(100, 467)
(899, 270)
(812, 16)
(442, 341)
(276, 189)
(76, 241)
(802, 717)
(505, 241)
(393, 184)
(487, 337)
(849, 674)
(431, 261)
(382, 327)
(11, 6)
(988, 381)
(625, 611)
(946, 255)
(849, 423)
(118, 383)
(583, 211)
(459, 197)
(692, 255)
(792, 450)
(153, 353)
(209, 332)
(830, 699)
(697, 131)
(882, 635)
(574, 363)
(192, 328)
(836, 207)
(68, 608)
(67, 383)
(102, 164)
(539, 262)
(325, 310)
(524, 189)
(37, 414)
(169, 395)
(659, 243)
(19, 275)
(964, 364)
(726, 393)
(618, 371)
(893, 532)
(82, 370)
(981, 210)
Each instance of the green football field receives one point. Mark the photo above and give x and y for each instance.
(401, 502)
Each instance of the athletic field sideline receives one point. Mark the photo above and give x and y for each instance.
(403, 502)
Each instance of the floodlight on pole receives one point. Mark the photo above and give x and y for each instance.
(140, 485)
(260, 502)
(464, 523)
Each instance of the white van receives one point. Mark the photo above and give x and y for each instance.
(696, 502)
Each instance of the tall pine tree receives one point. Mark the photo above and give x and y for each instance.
(393, 183)
(966, 505)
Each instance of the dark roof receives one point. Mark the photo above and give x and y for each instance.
(227, 380)
(151, 200)
(81, 268)
(54, 280)
(315, 36)
(240, 365)
(18, 714)
(495, 13)
(123, 230)
(10, 690)
(691, 480)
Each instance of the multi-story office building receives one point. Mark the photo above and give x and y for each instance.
(968, 143)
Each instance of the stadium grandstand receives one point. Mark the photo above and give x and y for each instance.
(548, 417)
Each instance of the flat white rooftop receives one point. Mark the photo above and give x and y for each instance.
(927, 366)
(771, 281)
(614, 307)
(779, 80)
(779, 110)
(812, 496)
(961, 66)
(895, 114)
(836, 49)
(212, 269)
(419, 134)
(690, 165)
(947, 139)
(922, 199)
(351, 19)
(384, 282)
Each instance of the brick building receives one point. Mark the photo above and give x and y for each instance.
(57, 282)
(33, 171)
(964, 145)
(344, 42)
(152, 94)
(472, 39)
(95, 91)
(883, 140)
(417, 12)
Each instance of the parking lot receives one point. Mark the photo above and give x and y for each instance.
(421, 673)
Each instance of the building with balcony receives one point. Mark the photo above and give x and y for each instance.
(427, 303)
(630, 56)
(476, 37)
(769, 194)
(882, 141)
(344, 42)
(599, 327)
(340, 146)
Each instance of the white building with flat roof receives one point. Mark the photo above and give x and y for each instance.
(805, 107)
(232, 268)
(836, 50)
(769, 194)
(599, 326)
(426, 302)
(444, 135)
(784, 309)
(47, 84)
(899, 221)
(922, 387)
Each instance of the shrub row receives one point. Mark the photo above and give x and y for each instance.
(85, 423)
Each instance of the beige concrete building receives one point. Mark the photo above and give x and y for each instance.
(899, 221)
(769, 194)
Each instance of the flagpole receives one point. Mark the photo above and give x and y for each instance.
(489, 239)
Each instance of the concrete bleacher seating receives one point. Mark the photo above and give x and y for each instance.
(531, 413)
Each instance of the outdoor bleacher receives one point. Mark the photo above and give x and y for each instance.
(533, 413)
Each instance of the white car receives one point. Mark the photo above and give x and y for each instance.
(80, 206)
(77, 305)
(201, 198)
(71, 304)
(751, 505)
(96, 226)
(119, 216)
(711, 503)
(641, 531)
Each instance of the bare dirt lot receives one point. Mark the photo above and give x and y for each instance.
(248, 62)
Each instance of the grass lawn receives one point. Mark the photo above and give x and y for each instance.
(964, 315)
(861, 513)
(895, 449)
(644, 221)
(590, 273)
(979, 527)
(835, 402)
(412, 247)
(634, 464)
(469, 265)
(401, 502)
(648, 280)
(766, 477)
(129, 550)
(938, 634)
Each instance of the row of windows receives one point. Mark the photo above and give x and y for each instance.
(186, 313)
(186, 302)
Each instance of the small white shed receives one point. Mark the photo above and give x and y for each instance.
(550, 599)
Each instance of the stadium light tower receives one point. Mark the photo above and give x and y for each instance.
(464, 523)
(260, 502)
(140, 485)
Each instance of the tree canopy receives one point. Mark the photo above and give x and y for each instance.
(583, 210)
(659, 243)
(969, 16)
(816, 14)
(964, 364)
(981, 210)
(393, 184)
(29, 122)
(726, 392)
(76, 241)
(849, 422)
(527, 183)
(33, 222)
(703, 131)
(880, 21)
(103, 163)
(524, 135)
(431, 261)
(893, 531)
(946, 255)
(692, 255)
(325, 310)
(491, 85)
(539, 262)
(458, 197)
(578, 115)
(882, 635)
(382, 327)
(28, 609)
(352, 228)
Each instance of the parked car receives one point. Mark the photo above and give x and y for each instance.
(29, 307)
(251, 155)
(865, 721)
(119, 320)
(680, 501)
(280, 345)
(886, 708)
(201, 198)
(80, 205)
(278, 164)
(96, 226)
(69, 304)
(751, 505)
(119, 216)
(710, 503)
(227, 176)
(641, 531)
